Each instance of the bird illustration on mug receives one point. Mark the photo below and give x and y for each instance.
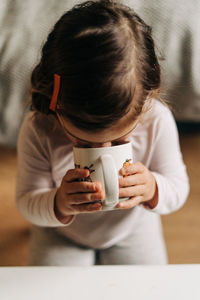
(89, 179)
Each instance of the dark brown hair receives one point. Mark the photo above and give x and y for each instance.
(103, 52)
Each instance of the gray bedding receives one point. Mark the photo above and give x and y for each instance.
(24, 25)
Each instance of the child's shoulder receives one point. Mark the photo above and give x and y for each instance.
(156, 110)
(37, 128)
(38, 122)
(156, 116)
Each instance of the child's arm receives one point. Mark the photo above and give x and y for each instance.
(164, 186)
(35, 189)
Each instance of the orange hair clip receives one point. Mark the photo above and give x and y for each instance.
(56, 89)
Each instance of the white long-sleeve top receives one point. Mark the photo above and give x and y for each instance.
(45, 155)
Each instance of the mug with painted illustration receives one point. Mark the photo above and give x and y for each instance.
(104, 164)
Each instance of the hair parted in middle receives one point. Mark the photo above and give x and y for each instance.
(104, 53)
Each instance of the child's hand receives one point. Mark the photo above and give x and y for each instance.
(74, 197)
(138, 183)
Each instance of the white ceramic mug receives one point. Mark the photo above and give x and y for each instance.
(104, 164)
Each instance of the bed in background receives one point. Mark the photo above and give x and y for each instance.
(24, 25)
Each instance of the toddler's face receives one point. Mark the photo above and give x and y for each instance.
(116, 135)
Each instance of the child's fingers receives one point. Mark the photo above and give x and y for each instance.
(74, 199)
(78, 187)
(134, 168)
(83, 208)
(131, 180)
(74, 174)
(131, 191)
(132, 202)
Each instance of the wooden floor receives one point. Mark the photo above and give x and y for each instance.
(181, 229)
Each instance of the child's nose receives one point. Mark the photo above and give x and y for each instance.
(107, 144)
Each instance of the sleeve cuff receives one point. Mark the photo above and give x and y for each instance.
(151, 204)
(155, 204)
(54, 222)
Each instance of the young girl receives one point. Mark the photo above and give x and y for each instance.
(97, 85)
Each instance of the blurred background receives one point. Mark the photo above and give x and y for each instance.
(25, 25)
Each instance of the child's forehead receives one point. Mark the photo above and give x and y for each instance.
(94, 138)
(118, 131)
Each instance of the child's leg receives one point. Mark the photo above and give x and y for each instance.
(144, 246)
(47, 248)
